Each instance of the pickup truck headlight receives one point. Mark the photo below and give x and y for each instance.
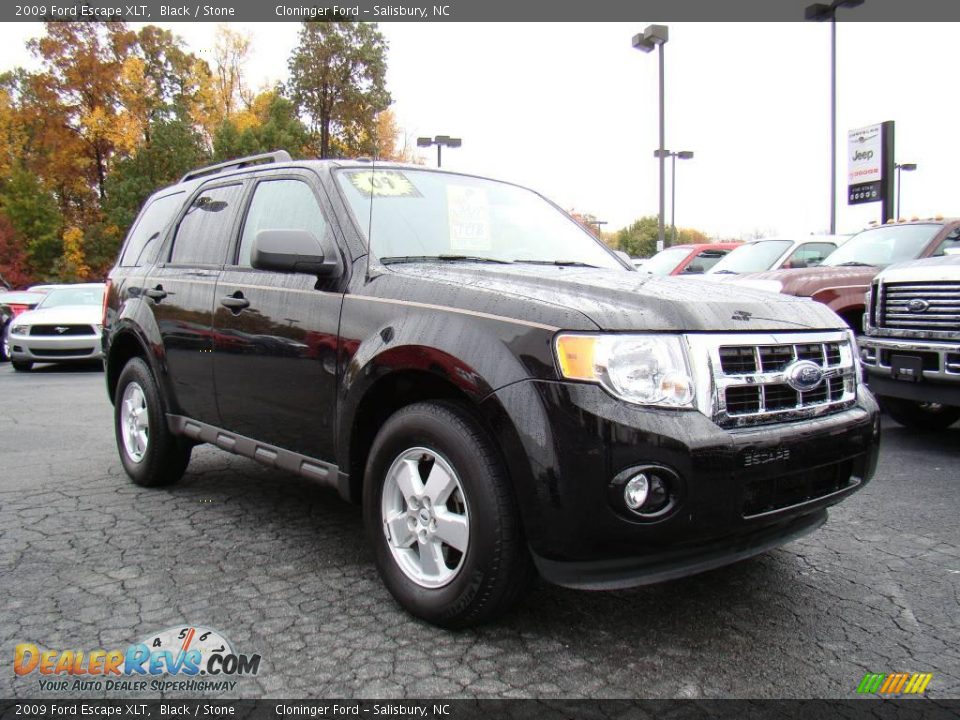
(641, 369)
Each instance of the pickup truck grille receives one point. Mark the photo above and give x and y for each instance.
(753, 381)
(917, 305)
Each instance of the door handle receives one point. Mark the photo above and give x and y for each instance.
(235, 302)
(157, 293)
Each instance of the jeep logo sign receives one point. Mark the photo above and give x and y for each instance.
(865, 170)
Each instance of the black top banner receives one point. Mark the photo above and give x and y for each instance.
(465, 10)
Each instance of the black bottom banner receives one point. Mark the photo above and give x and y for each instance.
(914, 709)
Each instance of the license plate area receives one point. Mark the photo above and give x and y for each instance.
(906, 367)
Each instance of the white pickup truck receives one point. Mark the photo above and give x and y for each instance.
(911, 346)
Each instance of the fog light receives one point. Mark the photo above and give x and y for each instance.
(635, 491)
(646, 493)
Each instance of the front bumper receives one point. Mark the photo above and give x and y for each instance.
(48, 348)
(939, 380)
(740, 491)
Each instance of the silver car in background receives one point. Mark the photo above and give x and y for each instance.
(65, 327)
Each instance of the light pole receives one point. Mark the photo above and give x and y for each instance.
(908, 167)
(820, 12)
(439, 141)
(656, 36)
(683, 155)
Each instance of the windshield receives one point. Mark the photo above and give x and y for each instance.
(665, 261)
(753, 257)
(421, 214)
(73, 296)
(884, 245)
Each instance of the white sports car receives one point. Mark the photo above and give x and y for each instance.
(65, 327)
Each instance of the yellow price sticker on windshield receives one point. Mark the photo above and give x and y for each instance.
(383, 183)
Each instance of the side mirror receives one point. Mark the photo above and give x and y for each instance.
(291, 251)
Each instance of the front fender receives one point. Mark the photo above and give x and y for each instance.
(477, 356)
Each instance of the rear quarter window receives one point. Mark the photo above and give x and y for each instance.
(145, 235)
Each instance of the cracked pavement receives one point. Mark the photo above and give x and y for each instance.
(281, 568)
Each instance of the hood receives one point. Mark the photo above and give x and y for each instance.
(64, 315)
(946, 268)
(587, 299)
(806, 282)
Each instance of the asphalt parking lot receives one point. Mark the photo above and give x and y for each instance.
(280, 567)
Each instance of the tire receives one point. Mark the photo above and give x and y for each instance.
(461, 586)
(22, 365)
(151, 455)
(920, 415)
(5, 343)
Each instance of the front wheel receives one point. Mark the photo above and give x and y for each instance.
(921, 415)
(441, 516)
(150, 453)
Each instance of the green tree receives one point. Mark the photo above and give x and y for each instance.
(338, 79)
(174, 148)
(32, 211)
(639, 239)
(272, 123)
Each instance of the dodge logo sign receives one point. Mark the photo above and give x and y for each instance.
(803, 375)
(918, 305)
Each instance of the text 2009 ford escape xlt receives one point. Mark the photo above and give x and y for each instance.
(497, 388)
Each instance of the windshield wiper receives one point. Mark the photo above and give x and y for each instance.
(724, 272)
(854, 263)
(444, 258)
(558, 263)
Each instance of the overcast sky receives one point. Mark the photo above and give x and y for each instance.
(571, 110)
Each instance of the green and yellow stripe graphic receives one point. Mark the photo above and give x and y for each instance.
(894, 683)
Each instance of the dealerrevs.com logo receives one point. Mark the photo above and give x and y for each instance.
(198, 658)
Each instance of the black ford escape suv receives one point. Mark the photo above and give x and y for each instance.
(499, 390)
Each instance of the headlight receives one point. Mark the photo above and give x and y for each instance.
(642, 369)
(19, 329)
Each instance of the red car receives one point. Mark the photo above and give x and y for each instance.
(694, 259)
(12, 304)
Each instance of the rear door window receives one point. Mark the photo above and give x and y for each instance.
(204, 233)
(146, 234)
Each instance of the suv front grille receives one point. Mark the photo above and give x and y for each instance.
(751, 376)
(766, 494)
(918, 305)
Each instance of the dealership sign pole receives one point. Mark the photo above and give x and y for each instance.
(870, 167)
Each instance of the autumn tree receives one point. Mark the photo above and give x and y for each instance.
(14, 263)
(83, 65)
(338, 79)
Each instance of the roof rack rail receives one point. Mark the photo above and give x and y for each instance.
(276, 156)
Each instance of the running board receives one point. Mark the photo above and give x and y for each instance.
(269, 455)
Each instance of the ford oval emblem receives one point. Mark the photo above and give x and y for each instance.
(918, 305)
(803, 375)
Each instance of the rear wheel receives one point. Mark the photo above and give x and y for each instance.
(150, 453)
(21, 365)
(5, 343)
(441, 516)
(921, 415)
